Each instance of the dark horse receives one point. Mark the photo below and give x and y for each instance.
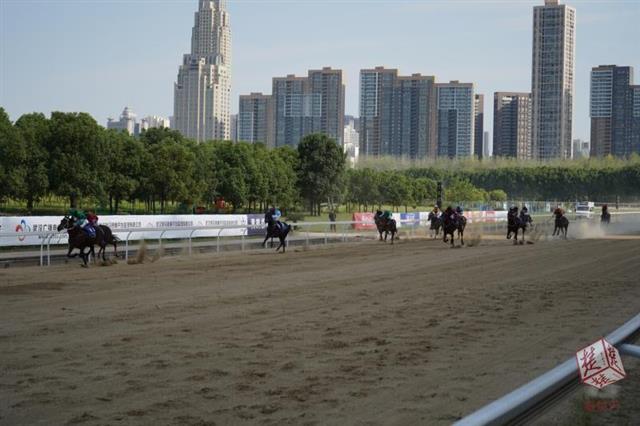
(386, 226)
(278, 230)
(515, 223)
(452, 222)
(80, 240)
(605, 218)
(562, 223)
(436, 224)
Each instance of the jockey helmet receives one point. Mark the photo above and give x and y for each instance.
(459, 209)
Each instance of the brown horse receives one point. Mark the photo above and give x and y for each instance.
(386, 226)
(78, 239)
(561, 222)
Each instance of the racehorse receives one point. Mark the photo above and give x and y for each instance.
(436, 224)
(104, 236)
(78, 239)
(278, 230)
(562, 223)
(386, 226)
(605, 218)
(515, 223)
(453, 222)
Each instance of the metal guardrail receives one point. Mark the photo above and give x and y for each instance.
(527, 397)
(47, 238)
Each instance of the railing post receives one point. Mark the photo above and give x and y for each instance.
(218, 241)
(42, 251)
(49, 249)
(190, 241)
(242, 247)
(126, 247)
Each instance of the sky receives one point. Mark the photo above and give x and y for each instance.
(97, 56)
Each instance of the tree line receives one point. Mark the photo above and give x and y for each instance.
(70, 155)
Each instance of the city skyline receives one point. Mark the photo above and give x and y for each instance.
(504, 63)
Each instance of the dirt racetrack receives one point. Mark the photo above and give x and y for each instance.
(361, 334)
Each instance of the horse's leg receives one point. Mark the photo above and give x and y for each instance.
(461, 231)
(264, 243)
(283, 243)
(85, 258)
(115, 248)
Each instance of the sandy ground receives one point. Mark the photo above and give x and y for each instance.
(361, 334)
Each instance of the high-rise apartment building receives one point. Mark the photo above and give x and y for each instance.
(351, 144)
(255, 119)
(126, 122)
(305, 105)
(397, 114)
(233, 125)
(486, 148)
(456, 119)
(612, 111)
(479, 126)
(203, 88)
(512, 125)
(636, 119)
(554, 28)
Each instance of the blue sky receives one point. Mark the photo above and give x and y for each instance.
(100, 55)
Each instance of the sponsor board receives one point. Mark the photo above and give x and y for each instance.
(49, 224)
(363, 217)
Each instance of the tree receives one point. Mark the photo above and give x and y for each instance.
(463, 190)
(497, 195)
(75, 155)
(320, 171)
(171, 172)
(35, 131)
(423, 191)
(396, 189)
(12, 159)
(124, 156)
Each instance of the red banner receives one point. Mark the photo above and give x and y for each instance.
(363, 217)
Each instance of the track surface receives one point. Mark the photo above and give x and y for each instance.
(355, 334)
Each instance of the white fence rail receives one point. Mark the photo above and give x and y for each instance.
(324, 231)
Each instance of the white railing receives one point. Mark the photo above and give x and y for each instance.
(49, 238)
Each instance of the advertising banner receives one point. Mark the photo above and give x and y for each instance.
(257, 223)
(366, 217)
(21, 225)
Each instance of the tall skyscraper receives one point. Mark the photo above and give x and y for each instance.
(202, 91)
(255, 119)
(397, 114)
(456, 119)
(554, 27)
(612, 111)
(486, 153)
(512, 125)
(305, 105)
(636, 119)
(479, 125)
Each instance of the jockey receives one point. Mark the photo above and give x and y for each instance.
(92, 217)
(276, 214)
(524, 215)
(82, 222)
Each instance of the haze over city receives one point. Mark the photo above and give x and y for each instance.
(100, 56)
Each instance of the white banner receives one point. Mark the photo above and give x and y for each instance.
(21, 225)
